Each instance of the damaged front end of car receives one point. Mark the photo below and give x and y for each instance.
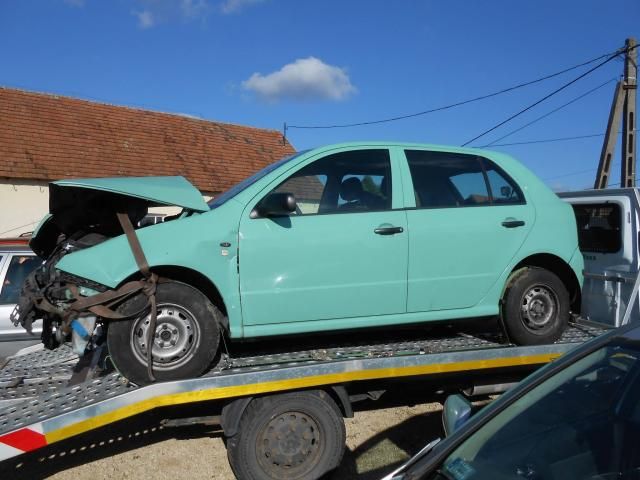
(83, 214)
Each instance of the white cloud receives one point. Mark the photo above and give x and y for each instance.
(305, 79)
(155, 12)
(234, 6)
(145, 19)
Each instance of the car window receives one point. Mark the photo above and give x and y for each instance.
(581, 423)
(445, 179)
(599, 227)
(354, 181)
(19, 267)
(504, 191)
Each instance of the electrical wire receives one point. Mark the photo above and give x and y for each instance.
(549, 113)
(551, 140)
(546, 97)
(463, 102)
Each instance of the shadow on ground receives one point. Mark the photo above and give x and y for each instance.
(390, 448)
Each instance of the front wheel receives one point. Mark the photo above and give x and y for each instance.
(535, 307)
(293, 436)
(185, 341)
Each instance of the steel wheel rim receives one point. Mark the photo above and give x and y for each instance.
(176, 338)
(538, 308)
(289, 444)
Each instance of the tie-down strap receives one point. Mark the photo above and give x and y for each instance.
(102, 304)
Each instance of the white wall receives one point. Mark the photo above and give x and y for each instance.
(23, 203)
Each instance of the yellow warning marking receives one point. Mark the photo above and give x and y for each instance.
(289, 384)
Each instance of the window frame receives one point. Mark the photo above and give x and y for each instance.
(395, 183)
(483, 162)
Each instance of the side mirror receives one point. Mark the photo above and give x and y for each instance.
(276, 204)
(506, 191)
(456, 412)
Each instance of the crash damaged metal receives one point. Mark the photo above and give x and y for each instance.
(83, 214)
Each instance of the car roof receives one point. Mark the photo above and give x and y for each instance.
(389, 144)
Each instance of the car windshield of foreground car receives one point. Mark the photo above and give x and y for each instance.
(247, 182)
(582, 423)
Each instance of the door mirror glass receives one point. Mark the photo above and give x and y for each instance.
(276, 204)
(456, 412)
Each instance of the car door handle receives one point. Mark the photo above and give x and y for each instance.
(388, 230)
(512, 223)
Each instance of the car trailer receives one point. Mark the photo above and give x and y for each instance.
(49, 396)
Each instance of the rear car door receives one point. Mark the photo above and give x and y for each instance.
(342, 255)
(469, 221)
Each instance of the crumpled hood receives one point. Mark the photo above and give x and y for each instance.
(91, 204)
(177, 191)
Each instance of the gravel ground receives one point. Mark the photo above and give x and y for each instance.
(377, 441)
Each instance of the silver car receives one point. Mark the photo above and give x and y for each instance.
(16, 262)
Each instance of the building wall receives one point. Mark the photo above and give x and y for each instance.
(23, 203)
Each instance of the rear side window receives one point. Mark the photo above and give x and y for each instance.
(504, 190)
(19, 267)
(446, 179)
(599, 227)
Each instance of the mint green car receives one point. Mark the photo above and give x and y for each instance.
(341, 237)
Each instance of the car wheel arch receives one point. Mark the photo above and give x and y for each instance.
(557, 266)
(194, 279)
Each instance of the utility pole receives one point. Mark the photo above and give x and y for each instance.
(623, 105)
(628, 172)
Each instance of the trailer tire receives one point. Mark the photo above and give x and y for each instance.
(297, 435)
(535, 307)
(187, 335)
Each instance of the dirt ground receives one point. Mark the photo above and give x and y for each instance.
(377, 441)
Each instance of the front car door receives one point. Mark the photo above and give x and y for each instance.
(469, 221)
(341, 256)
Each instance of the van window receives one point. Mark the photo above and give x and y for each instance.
(599, 227)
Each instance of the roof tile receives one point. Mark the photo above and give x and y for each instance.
(48, 137)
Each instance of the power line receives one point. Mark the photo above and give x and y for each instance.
(556, 91)
(551, 140)
(549, 113)
(458, 104)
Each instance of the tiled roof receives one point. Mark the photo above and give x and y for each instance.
(49, 137)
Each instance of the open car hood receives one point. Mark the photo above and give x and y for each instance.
(91, 204)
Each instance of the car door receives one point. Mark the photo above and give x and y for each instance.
(342, 254)
(470, 219)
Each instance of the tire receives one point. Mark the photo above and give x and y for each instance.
(187, 335)
(292, 436)
(535, 307)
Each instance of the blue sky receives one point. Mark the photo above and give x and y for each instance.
(264, 62)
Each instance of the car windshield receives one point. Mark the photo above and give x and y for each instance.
(582, 423)
(247, 182)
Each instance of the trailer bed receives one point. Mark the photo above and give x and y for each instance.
(38, 407)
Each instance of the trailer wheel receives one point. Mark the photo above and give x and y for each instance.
(186, 337)
(298, 435)
(535, 307)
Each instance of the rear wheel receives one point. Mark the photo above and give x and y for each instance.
(535, 307)
(185, 341)
(298, 435)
